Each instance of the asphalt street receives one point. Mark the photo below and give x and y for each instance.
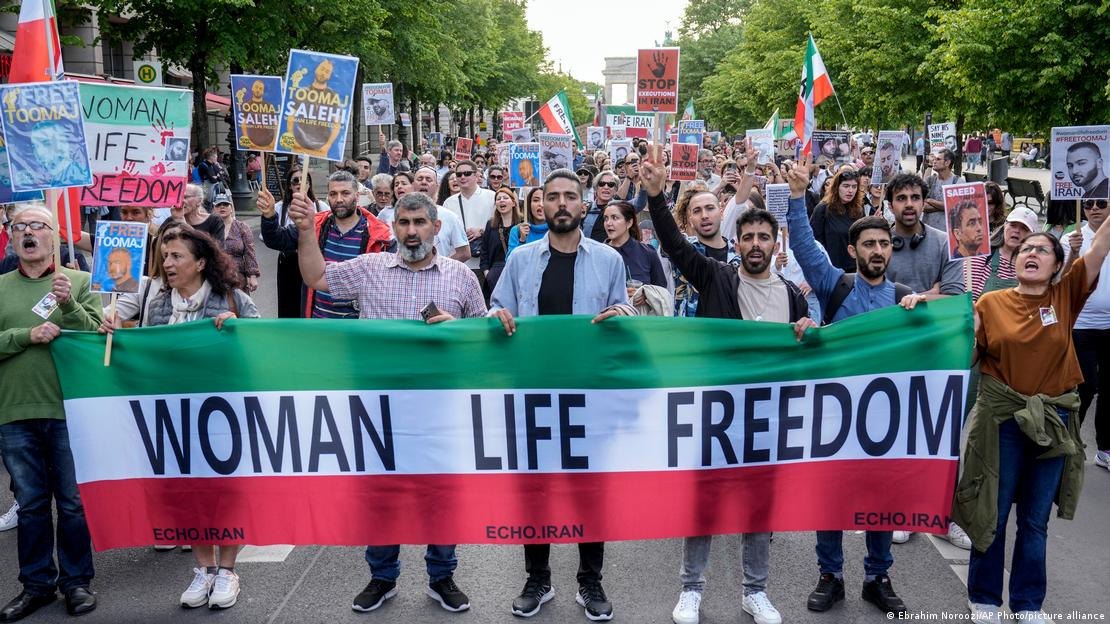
(317, 583)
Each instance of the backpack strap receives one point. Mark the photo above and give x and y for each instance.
(844, 287)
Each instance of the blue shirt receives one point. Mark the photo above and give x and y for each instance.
(599, 279)
(340, 247)
(536, 231)
(822, 276)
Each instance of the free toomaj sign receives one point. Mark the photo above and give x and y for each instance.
(657, 80)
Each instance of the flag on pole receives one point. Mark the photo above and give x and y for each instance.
(599, 107)
(556, 116)
(781, 132)
(689, 113)
(816, 86)
(31, 62)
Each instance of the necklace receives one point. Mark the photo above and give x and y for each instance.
(766, 299)
(1031, 310)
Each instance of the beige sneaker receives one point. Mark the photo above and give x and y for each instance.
(225, 590)
(197, 594)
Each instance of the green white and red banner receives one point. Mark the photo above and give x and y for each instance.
(380, 432)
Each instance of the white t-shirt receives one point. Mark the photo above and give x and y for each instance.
(451, 235)
(1096, 312)
(475, 213)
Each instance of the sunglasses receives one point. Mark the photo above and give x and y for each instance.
(1098, 204)
(495, 176)
(33, 225)
(608, 184)
(465, 174)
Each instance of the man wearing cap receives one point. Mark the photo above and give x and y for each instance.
(996, 272)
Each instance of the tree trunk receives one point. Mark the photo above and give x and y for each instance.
(414, 112)
(402, 133)
(959, 164)
(197, 64)
(471, 112)
(481, 115)
(435, 116)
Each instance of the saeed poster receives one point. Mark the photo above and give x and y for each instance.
(316, 107)
(255, 105)
(45, 136)
(377, 104)
(965, 209)
(119, 256)
(524, 164)
(1079, 156)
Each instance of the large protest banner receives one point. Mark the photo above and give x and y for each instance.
(138, 140)
(316, 106)
(377, 104)
(1080, 155)
(245, 440)
(657, 80)
(45, 136)
(256, 115)
(635, 125)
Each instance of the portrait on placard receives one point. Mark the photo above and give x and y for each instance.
(316, 104)
(595, 138)
(888, 156)
(965, 207)
(45, 136)
(1080, 156)
(377, 104)
(118, 257)
(256, 107)
(831, 147)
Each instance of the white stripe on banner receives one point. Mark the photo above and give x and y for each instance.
(902, 415)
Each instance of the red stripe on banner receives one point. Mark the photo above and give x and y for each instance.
(878, 494)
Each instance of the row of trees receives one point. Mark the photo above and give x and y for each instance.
(1023, 65)
(465, 54)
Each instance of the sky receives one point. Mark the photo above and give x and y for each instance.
(579, 34)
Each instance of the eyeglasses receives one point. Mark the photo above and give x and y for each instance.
(632, 161)
(1040, 250)
(33, 225)
(608, 184)
(464, 174)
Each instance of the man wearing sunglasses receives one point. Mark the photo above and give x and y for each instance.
(473, 206)
(39, 301)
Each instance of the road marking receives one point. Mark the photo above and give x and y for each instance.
(264, 554)
(284, 601)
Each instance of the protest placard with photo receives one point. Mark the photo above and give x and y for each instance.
(316, 107)
(119, 257)
(888, 156)
(943, 136)
(691, 131)
(1079, 155)
(256, 107)
(636, 125)
(138, 142)
(435, 140)
(524, 164)
(7, 195)
(406, 120)
(684, 161)
(657, 80)
(45, 136)
(556, 152)
(965, 209)
(521, 135)
(501, 154)
(778, 201)
(619, 149)
(595, 138)
(377, 104)
(714, 138)
(463, 148)
(832, 147)
(618, 133)
(763, 142)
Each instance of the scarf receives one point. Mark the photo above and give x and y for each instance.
(188, 309)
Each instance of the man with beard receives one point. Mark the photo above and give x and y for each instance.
(564, 272)
(413, 283)
(1086, 170)
(605, 187)
(941, 163)
(341, 233)
(751, 292)
(920, 256)
(966, 225)
(842, 295)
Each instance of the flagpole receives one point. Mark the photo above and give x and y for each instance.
(842, 117)
(47, 12)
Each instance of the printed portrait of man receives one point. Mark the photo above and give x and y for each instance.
(60, 160)
(177, 149)
(260, 136)
(596, 139)
(1086, 170)
(119, 270)
(966, 223)
(317, 137)
(888, 160)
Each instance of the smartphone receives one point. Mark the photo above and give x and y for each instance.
(430, 311)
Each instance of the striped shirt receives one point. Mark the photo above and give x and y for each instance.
(340, 247)
(386, 288)
(981, 271)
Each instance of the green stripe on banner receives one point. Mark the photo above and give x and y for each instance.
(154, 108)
(546, 352)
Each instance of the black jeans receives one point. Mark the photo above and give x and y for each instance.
(1092, 347)
(591, 556)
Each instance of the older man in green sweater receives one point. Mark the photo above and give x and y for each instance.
(39, 300)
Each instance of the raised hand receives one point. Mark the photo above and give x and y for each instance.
(660, 61)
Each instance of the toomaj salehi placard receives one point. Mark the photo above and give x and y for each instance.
(316, 107)
(1080, 155)
(256, 109)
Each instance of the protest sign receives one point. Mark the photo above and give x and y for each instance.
(367, 444)
(715, 138)
(832, 146)
(595, 138)
(377, 103)
(406, 120)
(119, 257)
(511, 120)
(619, 133)
(942, 136)
(7, 195)
(256, 115)
(619, 149)
(501, 153)
(965, 210)
(684, 161)
(138, 142)
(463, 148)
(44, 134)
(657, 80)
(636, 125)
(778, 201)
(556, 152)
(763, 141)
(1079, 158)
(521, 135)
(524, 164)
(691, 131)
(673, 138)
(435, 140)
(888, 156)
(316, 106)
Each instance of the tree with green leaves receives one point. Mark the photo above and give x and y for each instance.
(709, 30)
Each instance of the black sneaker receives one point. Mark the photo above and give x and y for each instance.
(880, 593)
(593, 600)
(376, 592)
(829, 590)
(448, 595)
(530, 600)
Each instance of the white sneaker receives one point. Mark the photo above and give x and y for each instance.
(197, 594)
(225, 590)
(985, 613)
(760, 608)
(1102, 458)
(686, 611)
(1032, 617)
(958, 537)
(10, 519)
(901, 537)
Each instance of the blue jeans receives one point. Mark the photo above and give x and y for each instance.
(1032, 483)
(385, 563)
(830, 552)
(36, 454)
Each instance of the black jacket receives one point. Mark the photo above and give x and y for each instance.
(717, 282)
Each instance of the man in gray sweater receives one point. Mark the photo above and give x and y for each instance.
(920, 258)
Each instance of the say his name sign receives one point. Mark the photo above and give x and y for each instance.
(377, 104)
(226, 446)
(657, 80)
(138, 141)
(1080, 155)
(316, 106)
(118, 257)
(256, 106)
(684, 161)
(44, 135)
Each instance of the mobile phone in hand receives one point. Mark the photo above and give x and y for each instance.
(430, 311)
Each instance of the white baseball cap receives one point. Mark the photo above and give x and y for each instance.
(1026, 217)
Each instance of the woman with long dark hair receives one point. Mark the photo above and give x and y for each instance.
(495, 238)
(841, 206)
(534, 225)
(288, 272)
(448, 186)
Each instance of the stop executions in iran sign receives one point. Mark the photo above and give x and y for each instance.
(657, 80)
